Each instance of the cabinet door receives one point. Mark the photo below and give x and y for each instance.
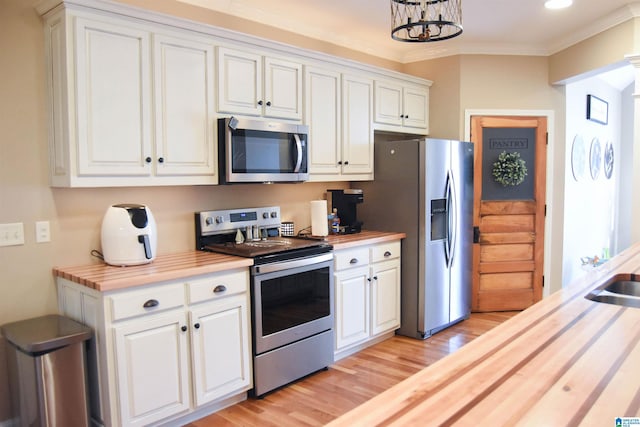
(352, 306)
(239, 82)
(282, 89)
(357, 126)
(185, 125)
(388, 103)
(385, 296)
(221, 348)
(322, 115)
(416, 107)
(113, 80)
(152, 368)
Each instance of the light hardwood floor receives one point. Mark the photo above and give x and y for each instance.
(325, 395)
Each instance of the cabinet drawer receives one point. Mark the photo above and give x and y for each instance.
(348, 258)
(219, 285)
(385, 251)
(135, 303)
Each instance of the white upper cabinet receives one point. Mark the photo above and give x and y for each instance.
(338, 110)
(113, 104)
(255, 85)
(134, 97)
(323, 116)
(401, 107)
(184, 107)
(104, 76)
(357, 127)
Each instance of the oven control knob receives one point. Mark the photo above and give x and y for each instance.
(208, 220)
(265, 215)
(219, 219)
(274, 214)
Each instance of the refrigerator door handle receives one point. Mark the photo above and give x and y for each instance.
(447, 194)
(452, 219)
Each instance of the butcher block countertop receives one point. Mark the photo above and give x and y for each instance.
(564, 361)
(365, 237)
(103, 277)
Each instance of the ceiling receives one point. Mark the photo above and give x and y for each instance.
(521, 27)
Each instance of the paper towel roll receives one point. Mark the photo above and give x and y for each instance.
(319, 225)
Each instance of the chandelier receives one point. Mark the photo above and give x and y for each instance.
(426, 20)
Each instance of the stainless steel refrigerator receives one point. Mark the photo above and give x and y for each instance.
(424, 188)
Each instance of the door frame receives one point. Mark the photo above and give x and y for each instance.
(551, 284)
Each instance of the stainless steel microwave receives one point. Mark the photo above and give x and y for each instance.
(261, 151)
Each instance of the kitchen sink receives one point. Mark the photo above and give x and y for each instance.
(624, 287)
(617, 291)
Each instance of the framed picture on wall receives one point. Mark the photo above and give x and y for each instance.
(597, 109)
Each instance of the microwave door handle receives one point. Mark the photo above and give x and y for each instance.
(299, 149)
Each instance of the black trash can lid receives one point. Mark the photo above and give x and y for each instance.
(44, 334)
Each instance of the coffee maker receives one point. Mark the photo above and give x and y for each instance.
(345, 202)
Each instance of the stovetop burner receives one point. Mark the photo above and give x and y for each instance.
(216, 231)
(271, 249)
(270, 243)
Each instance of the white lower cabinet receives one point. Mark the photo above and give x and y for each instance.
(220, 349)
(151, 359)
(367, 281)
(352, 306)
(166, 350)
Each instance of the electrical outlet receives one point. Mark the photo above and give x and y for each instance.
(43, 232)
(12, 234)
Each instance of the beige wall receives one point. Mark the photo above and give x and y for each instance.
(444, 95)
(595, 53)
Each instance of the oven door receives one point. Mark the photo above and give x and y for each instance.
(292, 300)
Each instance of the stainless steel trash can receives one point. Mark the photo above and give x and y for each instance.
(47, 371)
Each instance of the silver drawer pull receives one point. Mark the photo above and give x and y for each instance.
(353, 261)
(387, 254)
(151, 303)
(219, 288)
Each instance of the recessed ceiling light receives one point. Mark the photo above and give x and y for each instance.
(557, 4)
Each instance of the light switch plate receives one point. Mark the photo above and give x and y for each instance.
(12, 234)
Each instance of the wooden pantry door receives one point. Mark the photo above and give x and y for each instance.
(508, 248)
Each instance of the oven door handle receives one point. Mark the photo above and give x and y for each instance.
(285, 265)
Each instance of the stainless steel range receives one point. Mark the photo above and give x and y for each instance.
(291, 292)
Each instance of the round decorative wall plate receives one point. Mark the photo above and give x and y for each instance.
(608, 160)
(595, 158)
(578, 157)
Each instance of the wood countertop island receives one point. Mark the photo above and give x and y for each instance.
(565, 361)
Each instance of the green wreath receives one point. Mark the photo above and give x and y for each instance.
(509, 169)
